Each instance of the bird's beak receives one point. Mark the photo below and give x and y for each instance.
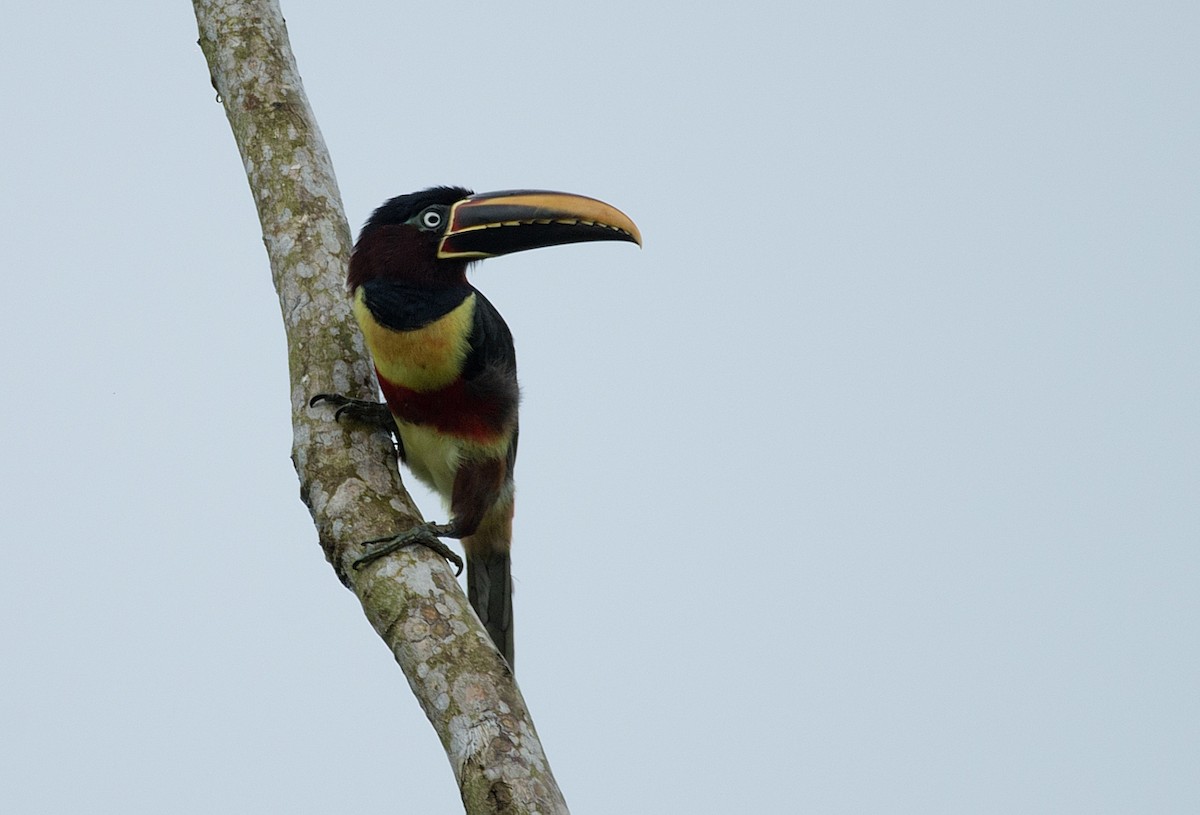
(497, 223)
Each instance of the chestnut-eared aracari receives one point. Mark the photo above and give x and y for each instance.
(445, 361)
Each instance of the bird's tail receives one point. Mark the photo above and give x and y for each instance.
(489, 588)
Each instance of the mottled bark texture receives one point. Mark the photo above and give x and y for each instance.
(348, 476)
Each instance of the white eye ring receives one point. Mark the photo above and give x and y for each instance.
(431, 219)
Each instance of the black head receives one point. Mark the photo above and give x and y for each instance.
(400, 240)
(403, 209)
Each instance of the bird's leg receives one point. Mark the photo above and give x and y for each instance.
(364, 411)
(375, 414)
(425, 534)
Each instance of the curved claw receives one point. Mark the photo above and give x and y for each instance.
(375, 414)
(338, 399)
(425, 535)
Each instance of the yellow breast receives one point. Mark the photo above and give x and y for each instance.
(424, 359)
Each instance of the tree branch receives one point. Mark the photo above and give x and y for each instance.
(348, 476)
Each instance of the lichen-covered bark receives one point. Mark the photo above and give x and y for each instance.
(348, 477)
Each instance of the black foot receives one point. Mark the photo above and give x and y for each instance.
(375, 414)
(424, 535)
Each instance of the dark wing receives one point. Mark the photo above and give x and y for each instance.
(490, 369)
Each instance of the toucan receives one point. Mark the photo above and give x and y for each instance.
(446, 365)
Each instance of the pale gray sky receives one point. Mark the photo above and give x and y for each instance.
(870, 485)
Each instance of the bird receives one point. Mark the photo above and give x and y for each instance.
(446, 364)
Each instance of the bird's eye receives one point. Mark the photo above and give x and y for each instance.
(431, 218)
